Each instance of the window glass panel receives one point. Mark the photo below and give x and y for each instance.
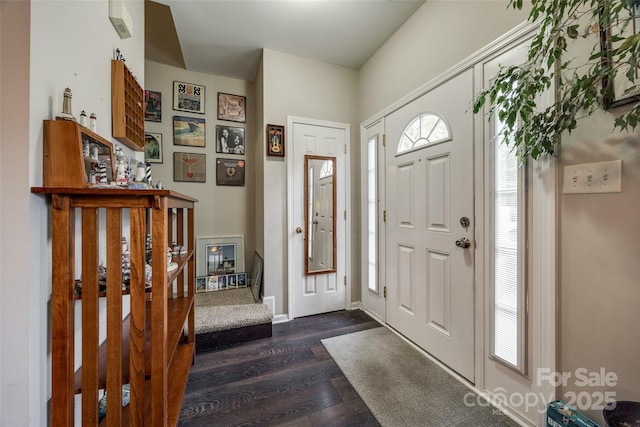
(413, 130)
(421, 131)
(428, 123)
(439, 133)
(508, 286)
(372, 220)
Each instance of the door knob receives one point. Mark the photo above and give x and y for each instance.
(463, 243)
(299, 230)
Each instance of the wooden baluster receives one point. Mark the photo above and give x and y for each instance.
(90, 321)
(137, 316)
(159, 317)
(191, 266)
(62, 311)
(114, 316)
(180, 241)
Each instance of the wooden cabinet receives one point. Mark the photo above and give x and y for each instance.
(153, 348)
(127, 107)
(64, 162)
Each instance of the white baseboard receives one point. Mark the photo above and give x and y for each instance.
(280, 318)
(355, 305)
(271, 302)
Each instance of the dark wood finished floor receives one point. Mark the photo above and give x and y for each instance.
(288, 379)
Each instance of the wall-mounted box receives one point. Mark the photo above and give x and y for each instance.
(127, 107)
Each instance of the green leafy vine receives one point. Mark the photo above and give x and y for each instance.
(579, 87)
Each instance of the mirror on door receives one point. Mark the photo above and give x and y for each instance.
(320, 218)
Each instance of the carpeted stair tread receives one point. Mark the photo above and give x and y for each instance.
(222, 317)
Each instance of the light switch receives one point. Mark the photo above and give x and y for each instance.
(602, 177)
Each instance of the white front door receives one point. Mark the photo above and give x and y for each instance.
(429, 194)
(324, 292)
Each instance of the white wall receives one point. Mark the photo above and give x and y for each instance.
(599, 285)
(296, 86)
(436, 37)
(58, 31)
(221, 210)
(18, 359)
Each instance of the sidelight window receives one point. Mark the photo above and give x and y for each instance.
(509, 254)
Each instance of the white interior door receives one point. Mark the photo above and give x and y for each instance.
(429, 190)
(317, 293)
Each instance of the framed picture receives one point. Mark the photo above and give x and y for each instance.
(189, 167)
(255, 280)
(232, 107)
(242, 280)
(153, 147)
(201, 284)
(619, 90)
(218, 256)
(232, 281)
(153, 101)
(230, 172)
(229, 140)
(189, 131)
(275, 140)
(188, 97)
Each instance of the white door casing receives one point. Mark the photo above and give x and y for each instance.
(318, 293)
(429, 279)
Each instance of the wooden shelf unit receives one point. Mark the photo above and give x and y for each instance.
(127, 107)
(63, 162)
(150, 349)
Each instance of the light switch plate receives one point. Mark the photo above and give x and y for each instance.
(602, 177)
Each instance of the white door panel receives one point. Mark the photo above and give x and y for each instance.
(429, 278)
(317, 293)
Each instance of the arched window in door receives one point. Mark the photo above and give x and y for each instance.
(425, 129)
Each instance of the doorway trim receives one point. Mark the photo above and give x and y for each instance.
(291, 121)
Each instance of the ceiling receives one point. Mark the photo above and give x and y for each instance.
(226, 37)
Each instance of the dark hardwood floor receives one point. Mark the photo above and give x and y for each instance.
(288, 379)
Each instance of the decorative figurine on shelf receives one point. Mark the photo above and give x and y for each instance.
(121, 173)
(148, 173)
(83, 118)
(140, 172)
(66, 107)
(139, 180)
(92, 122)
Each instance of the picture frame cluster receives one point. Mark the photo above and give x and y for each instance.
(220, 263)
(189, 130)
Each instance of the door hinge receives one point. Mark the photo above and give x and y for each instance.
(384, 140)
(345, 148)
(345, 215)
(384, 216)
(384, 292)
(345, 280)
